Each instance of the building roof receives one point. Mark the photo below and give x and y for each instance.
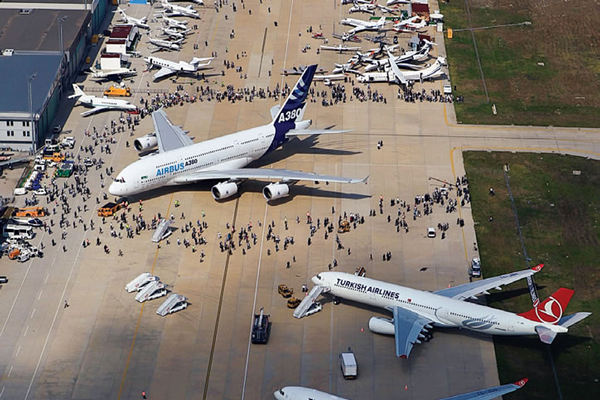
(40, 29)
(121, 31)
(58, 3)
(15, 70)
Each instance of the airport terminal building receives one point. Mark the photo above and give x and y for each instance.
(49, 41)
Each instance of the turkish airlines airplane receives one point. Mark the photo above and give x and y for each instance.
(415, 311)
(179, 161)
(303, 393)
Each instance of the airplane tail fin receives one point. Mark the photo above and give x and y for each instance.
(550, 311)
(78, 92)
(293, 108)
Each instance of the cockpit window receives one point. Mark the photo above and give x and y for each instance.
(281, 392)
(120, 180)
(318, 277)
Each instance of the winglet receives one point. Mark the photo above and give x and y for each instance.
(522, 382)
(537, 268)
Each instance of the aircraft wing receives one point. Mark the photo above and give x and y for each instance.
(469, 290)
(162, 73)
(302, 132)
(408, 326)
(489, 393)
(169, 136)
(396, 70)
(263, 173)
(93, 111)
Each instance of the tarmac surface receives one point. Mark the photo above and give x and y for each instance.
(106, 345)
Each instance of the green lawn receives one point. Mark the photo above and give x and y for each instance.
(558, 213)
(535, 75)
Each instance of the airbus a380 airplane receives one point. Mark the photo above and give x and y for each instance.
(415, 311)
(303, 393)
(180, 161)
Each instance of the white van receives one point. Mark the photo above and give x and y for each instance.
(20, 191)
(17, 231)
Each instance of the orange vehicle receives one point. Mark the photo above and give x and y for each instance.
(56, 157)
(118, 92)
(109, 209)
(14, 253)
(30, 212)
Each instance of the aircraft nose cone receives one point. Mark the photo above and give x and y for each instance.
(316, 281)
(114, 189)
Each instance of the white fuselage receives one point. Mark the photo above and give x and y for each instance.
(232, 151)
(182, 11)
(165, 44)
(443, 311)
(180, 66)
(93, 101)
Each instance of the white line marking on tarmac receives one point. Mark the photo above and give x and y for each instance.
(40, 295)
(9, 372)
(46, 280)
(26, 329)
(2, 391)
(262, 242)
(16, 298)
(18, 350)
(32, 313)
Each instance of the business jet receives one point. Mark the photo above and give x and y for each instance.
(107, 74)
(396, 75)
(175, 10)
(339, 48)
(416, 311)
(100, 103)
(392, 2)
(407, 57)
(165, 44)
(303, 393)
(179, 161)
(409, 25)
(168, 68)
(173, 33)
(360, 25)
(364, 8)
(343, 2)
(173, 23)
(345, 37)
(385, 9)
(139, 22)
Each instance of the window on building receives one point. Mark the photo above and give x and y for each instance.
(25, 123)
(10, 123)
(28, 134)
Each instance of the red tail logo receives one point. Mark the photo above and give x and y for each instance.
(551, 310)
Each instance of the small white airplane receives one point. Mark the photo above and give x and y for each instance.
(339, 48)
(392, 2)
(360, 25)
(396, 75)
(179, 161)
(355, 1)
(174, 10)
(415, 311)
(173, 23)
(304, 393)
(409, 25)
(365, 8)
(346, 37)
(166, 44)
(168, 68)
(407, 57)
(100, 103)
(385, 9)
(140, 22)
(174, 33)
(107, 74)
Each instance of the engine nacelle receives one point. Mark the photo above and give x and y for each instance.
(275, 191)
(382, 326)
(145, 143)
(224, 190)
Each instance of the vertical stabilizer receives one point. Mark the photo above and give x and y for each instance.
(551, 310)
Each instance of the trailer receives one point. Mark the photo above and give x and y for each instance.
(348, 364)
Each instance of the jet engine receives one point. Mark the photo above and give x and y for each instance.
(382, 326)
(275, 191)
(224, 190)
(145, 143)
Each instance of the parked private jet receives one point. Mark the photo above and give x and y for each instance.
(303, 393)
(140, 22)
(396, 75)
(179, 161)
(365, 8)
(416, 311)
(100, 103)
(165, 44)
(175, 34)
(360, 25)
(409, 25)
(168, 68)
(106, 74)
(174, 10)
(173, 23)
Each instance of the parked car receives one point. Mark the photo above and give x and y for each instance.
(476, 267)
(431, 232)
(285, 291)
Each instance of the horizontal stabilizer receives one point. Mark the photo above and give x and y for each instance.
(304, 132)
(546, 335)
(572, 319)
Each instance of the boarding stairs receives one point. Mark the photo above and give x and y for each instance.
(142, 280)
(153, 290)
(308, 301)
(175, 302)
(162, 231)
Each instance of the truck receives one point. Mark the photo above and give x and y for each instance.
(261, 327)
(118, 91)
(348, 364)
(109, 209)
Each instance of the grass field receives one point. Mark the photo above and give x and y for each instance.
(546, 73)
(559, 213)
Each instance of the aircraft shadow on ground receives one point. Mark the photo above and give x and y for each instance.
(509, 294)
